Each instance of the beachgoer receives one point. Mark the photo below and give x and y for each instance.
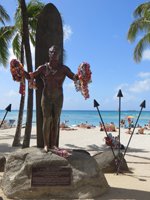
(129, 131)
(53, 75)
(112, 127)
(101, 126)
(122, 123)
(141, 130)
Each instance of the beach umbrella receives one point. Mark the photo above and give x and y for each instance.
(130, 117)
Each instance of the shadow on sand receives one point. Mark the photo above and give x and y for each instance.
(124, 194)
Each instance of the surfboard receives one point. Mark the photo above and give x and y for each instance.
(49, 32)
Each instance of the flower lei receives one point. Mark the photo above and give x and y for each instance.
(18, 75)
(84, 78)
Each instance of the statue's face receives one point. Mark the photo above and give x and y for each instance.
(54, 53)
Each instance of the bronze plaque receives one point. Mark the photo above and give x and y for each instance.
(51, 176)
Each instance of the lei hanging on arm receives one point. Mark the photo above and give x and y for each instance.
(18, 75)
(17, 72)
(84, 78)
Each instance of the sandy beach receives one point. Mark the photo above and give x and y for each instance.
(133, 185)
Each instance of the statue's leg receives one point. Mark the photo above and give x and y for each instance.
(47, 118)
(54, 132)
(57, 143)
(46, 128)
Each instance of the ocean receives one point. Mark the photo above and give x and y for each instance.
(74, 117)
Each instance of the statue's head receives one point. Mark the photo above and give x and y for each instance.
(54, 52)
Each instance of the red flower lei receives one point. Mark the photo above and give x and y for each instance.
(18, 75)
(84, 76)
(17, 72)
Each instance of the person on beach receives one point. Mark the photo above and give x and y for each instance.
(53, 75)
(129, 131)
(141, 130)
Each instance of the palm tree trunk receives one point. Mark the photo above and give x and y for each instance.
(17, 137)
(27, 135)
(26, 142)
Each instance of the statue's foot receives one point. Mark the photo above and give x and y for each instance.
(46, 149)
(61, 152)
(55, 147)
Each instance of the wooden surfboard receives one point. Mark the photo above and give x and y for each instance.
(49, 32)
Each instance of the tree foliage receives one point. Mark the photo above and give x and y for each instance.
(139, 27)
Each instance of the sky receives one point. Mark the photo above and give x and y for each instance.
(95, 32)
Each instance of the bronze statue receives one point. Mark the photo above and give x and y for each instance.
(53, 75)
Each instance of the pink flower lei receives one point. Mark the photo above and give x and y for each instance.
(84, 76)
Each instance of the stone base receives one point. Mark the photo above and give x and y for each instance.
(108, 164)
(83, 180)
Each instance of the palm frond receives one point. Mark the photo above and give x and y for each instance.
(5, 36)
(34, 8)
(142, 44)
(4, 52)
(16, 44)
(32, 24)
(3, 15)
(6, 32)
(17, 19)
(142, 9)
(139, 25)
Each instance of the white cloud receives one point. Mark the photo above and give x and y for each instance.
(146, 54)
(144, 74)
(67, 32)
(11, 93)
(140, 86)
(122, 86)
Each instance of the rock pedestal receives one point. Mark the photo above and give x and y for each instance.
(108, 164)
(32, 174)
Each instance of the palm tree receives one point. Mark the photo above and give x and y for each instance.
(25, 38)
(34, 7)
(140, 25)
